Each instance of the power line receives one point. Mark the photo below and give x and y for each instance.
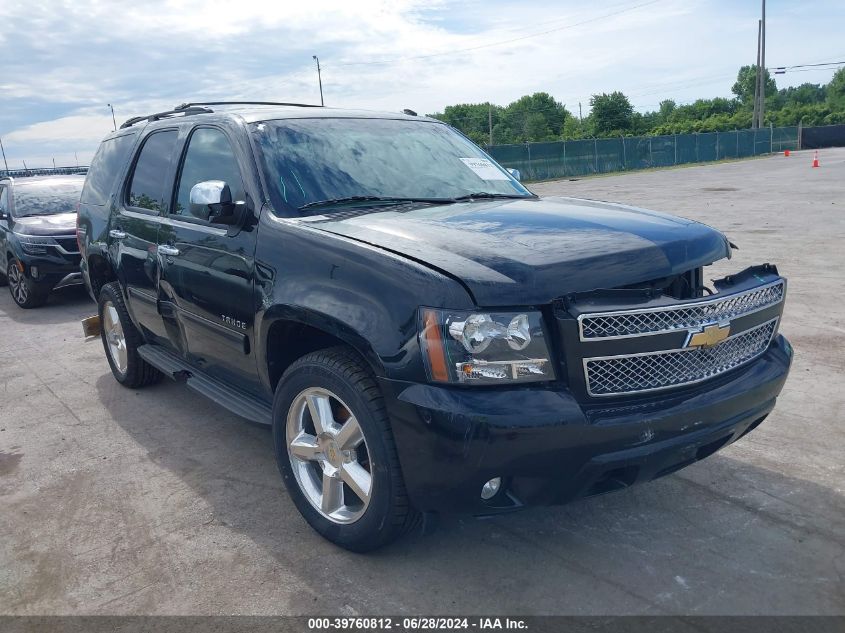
(806, 70)
(807, 65)
(502, 42)
(820, 60)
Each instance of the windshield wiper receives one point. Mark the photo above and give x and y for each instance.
(400, 200)
(385, 199)
(486, 195)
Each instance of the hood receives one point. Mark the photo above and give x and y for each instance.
(528, 252)
(59, 224)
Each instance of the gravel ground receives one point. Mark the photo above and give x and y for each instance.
(159, 502)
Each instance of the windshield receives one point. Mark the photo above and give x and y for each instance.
(313, 160)
(47, 198)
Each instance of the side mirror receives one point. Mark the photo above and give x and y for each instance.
(515, 173)
(211, 200)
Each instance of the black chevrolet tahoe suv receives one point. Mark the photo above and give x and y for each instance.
(422, 332)
(38, 236)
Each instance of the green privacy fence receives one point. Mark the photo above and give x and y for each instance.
(560, 159)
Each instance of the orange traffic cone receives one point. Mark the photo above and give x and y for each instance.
(816, 159)
(786, 152)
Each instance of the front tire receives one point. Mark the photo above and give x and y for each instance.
(121, 341)
(336, 454)
(25, 292)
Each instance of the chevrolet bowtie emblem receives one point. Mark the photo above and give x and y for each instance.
(709, 335)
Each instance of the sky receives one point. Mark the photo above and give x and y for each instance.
(61, 62)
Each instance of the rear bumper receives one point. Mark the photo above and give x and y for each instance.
(549, 448)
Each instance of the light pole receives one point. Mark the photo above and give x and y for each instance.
(319, 79)
(113, 120)
(762, 114)
(4, 155)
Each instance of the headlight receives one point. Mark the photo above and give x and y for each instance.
(484, 347)
(35, 244)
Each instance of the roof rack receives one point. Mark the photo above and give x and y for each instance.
(271, 103)
(198, 107)
(186, 111)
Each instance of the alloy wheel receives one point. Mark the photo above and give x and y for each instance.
(17, 283)
(329, 456)
(114, 336)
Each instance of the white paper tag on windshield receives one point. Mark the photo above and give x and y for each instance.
(484, 169)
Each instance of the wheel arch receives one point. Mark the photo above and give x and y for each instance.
(100, 272)
(290, 333)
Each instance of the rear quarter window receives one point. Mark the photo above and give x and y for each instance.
(146, 186)
(105, 169)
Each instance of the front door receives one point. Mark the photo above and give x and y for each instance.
(207, 269)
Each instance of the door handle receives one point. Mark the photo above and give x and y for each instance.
(116, 234)
(169, 251)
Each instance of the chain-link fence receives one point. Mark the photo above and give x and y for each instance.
(561, 159)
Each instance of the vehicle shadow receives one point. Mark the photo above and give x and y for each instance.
(671, 546)
(73, 298)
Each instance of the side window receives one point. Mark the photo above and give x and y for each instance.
(147, 185)
(105, 168)
(209, 157)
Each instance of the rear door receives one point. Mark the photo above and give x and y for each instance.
(207, 269)
(133, 233)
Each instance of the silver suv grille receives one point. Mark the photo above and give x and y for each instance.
(616, 375)
(608, 325)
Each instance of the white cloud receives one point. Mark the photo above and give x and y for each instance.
(79, 129)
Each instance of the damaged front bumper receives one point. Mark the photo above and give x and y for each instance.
(549, 448)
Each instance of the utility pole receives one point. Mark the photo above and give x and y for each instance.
(490, 121)
(113, 120)
(319, 78)
(755, 120)
(76, 156)
(4, 155)
(580, 118)
(54, 163)
(762, 117)
(563, 122)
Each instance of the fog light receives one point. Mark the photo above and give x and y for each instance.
(33, 270)
(491, 488)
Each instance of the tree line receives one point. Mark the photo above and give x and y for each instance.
(539, 117)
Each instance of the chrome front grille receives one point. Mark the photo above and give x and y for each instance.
(636, 373)
(627, 323)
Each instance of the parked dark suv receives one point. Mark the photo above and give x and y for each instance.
(421, 331)
(38, 236)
